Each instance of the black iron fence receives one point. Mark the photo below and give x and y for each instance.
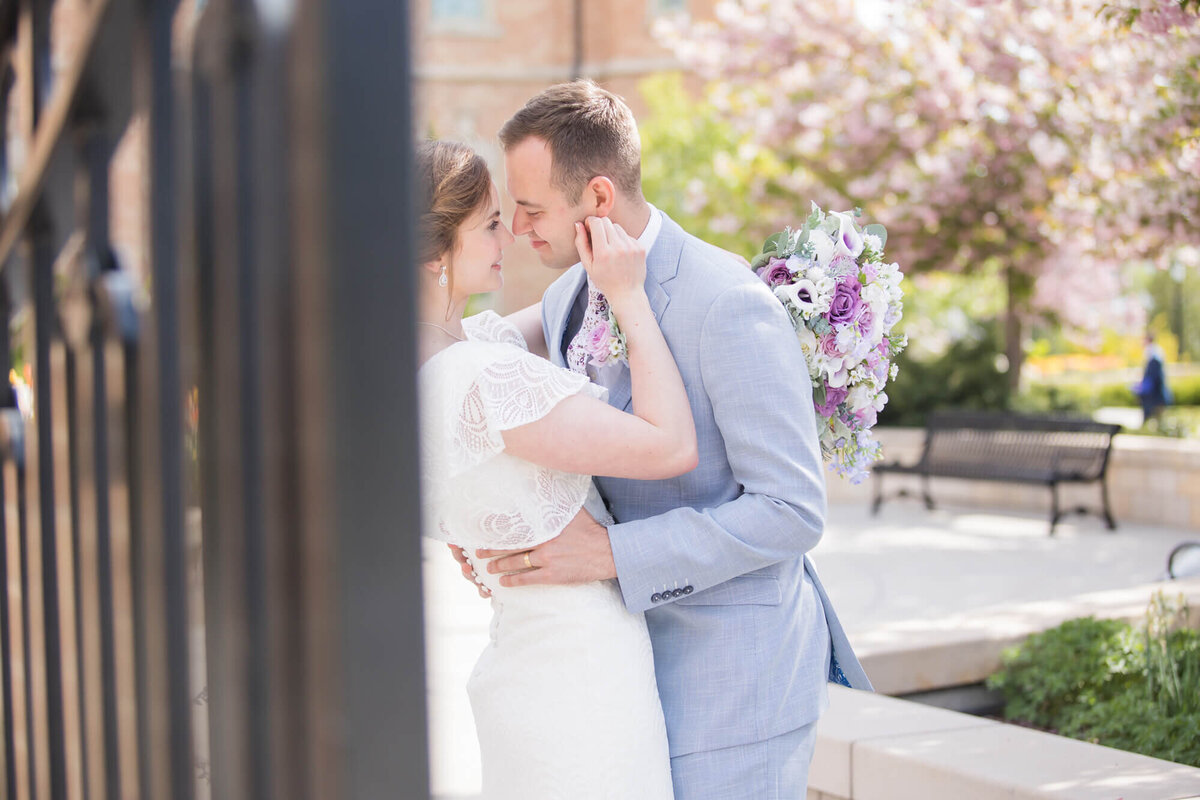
(209, 565)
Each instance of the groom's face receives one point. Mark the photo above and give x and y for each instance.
(543, 212)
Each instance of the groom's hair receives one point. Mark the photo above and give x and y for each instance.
(590, 133)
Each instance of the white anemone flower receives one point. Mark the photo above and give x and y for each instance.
(823, 246)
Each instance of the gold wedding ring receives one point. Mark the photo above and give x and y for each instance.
(528, 563)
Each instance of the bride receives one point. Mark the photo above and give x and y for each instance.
(564, 696)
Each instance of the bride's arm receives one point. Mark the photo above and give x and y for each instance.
(529, 322)
(586, 436)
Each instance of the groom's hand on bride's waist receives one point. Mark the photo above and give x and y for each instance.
(580, 554)
(468, 570)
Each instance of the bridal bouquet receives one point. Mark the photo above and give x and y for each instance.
(843, 300)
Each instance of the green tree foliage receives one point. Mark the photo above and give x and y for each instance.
(713, 181)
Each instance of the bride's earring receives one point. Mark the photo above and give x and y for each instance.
(442, 279)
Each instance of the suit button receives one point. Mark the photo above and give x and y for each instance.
(656, 597)
(687, 589)
(677, 593)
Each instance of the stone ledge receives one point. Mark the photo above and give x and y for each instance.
(919, 655)
(1150, 480)
(873, 747)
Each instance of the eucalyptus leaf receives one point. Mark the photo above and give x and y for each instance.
(760, 260)
(814, 218)
(771, 246)
(875, 229)
(820, 326)
(819, 393)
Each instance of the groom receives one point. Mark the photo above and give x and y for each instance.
(744, 637)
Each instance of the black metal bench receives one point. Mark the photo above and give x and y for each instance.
(1010, 447)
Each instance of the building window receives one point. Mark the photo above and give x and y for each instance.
(446, 11)
(667, 6)
(464, 18)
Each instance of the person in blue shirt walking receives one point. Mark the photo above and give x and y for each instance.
(1153, 390)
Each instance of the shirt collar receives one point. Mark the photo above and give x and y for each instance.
(650, 235)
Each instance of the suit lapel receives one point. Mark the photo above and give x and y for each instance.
(558, 303)
(662, 264)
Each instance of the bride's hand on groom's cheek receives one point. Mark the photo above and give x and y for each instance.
(614, 260)
(582, 553)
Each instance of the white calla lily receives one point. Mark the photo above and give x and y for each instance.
(849, 240)
(802, 295)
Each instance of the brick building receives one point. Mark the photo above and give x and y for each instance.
(475, 63)
(478, 61)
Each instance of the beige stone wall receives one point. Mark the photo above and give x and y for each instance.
(471, 79)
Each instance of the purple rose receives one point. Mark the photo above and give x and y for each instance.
(775, 273)
(846, 302)
(833, 398)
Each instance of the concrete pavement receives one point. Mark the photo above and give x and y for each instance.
(906, 564)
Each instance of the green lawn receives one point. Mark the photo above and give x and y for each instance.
(1180, 422)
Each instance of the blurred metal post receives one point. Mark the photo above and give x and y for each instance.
(278, 292)
(354, 254)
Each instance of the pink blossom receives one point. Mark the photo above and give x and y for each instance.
(828, 345)
(597, 344)
(1044, 134)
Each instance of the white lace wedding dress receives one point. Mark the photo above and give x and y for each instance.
(564, 695)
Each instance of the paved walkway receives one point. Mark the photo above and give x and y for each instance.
(903, 565)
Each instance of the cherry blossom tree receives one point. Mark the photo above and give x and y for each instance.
(1026, 135)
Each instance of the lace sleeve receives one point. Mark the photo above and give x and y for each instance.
(488, 326)
(509, 392)
(473, 493)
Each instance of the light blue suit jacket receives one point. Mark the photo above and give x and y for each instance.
(741, 627)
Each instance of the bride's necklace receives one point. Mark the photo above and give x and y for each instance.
(449, 333)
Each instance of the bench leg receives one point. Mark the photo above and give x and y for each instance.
(1055, 512)
(878, 501)
(925, 493)
(1108, 517)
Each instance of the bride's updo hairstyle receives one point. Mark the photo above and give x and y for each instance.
(453, 183)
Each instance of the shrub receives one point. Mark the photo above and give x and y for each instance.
(964, 377)
(1131, 721)
(1117, 394)
(1186, 390)
(1079, 663)
(1059, 398)
(1106, 682)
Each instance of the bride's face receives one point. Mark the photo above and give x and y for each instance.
(543, 211)
(482, 239)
